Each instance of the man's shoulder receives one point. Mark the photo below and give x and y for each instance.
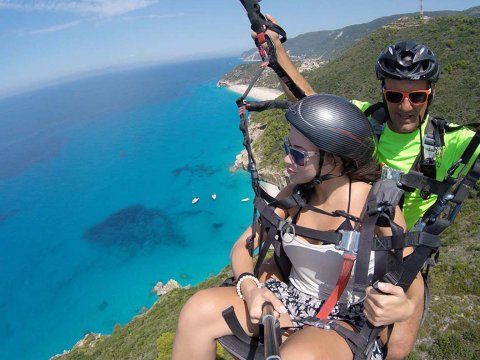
(454, 133)
(362, 105)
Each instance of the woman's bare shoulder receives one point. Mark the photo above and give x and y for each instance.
(285, 192)
(360, 191)
(361, 187)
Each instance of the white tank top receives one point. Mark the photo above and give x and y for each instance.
(315, 269)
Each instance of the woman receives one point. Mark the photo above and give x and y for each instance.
(330, 155)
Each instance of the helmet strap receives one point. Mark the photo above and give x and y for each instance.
(318, 179)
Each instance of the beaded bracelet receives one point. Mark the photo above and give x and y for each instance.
(243, 277)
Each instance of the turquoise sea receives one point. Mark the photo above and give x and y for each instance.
(96, 181)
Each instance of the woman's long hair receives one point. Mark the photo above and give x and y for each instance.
(368, 172)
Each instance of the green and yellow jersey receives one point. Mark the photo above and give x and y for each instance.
(399, 152)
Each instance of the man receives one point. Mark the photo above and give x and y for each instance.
(408, 138)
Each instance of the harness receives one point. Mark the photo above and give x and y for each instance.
(422, 174)
(357, 244)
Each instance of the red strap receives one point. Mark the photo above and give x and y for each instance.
(347, 265)
(261, 37)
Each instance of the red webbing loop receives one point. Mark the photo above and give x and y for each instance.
(261, 38)
(347, 266)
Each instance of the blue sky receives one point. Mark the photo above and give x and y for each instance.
(44, 40)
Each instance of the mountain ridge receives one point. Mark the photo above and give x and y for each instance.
(328, 44)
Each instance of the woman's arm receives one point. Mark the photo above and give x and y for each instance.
(241, 262)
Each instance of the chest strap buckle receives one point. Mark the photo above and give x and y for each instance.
(349, 241)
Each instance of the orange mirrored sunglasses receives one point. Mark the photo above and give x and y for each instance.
(416, 97)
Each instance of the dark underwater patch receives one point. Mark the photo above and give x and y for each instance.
(184, 276)
(217, 226)
(7, 215)
(194, 212)
(197, 170)
(103, 305)
(135, 227)
(24, 154)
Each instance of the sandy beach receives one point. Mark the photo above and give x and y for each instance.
(258, 93)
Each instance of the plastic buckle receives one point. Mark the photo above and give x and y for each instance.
(389, 173)
(374, 208)
(286, 227)
(315, 322)
(349, 241)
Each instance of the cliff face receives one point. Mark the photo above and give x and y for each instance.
(270, 169)
(267, 173)
(242, 74)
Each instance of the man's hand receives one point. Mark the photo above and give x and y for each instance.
(388, 306)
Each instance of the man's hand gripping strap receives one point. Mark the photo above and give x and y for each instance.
(260, 25)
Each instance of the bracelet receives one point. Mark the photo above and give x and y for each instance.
(243, 277)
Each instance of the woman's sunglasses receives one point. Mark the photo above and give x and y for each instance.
(417, 97)
(298, 156)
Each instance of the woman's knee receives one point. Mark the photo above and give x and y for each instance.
(199, 310)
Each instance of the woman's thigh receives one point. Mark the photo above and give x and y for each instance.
(313, 343)
(203, 311)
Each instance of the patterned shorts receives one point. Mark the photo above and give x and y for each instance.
(301, 305)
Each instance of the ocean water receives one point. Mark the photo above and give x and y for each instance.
(96, 182)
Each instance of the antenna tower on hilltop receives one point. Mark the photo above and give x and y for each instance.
(421, 8)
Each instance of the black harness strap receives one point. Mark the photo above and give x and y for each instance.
(409, 239)
(378, 115)
(417, 180)
(432, 221)
(382, 200)
(234, 325)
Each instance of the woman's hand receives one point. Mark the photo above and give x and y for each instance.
(388, 306)
(256, 297)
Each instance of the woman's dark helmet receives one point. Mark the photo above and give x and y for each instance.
(335, 126)
(407, 60)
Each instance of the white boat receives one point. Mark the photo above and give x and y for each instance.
(245, 199)
(195, 200)
(214, 196)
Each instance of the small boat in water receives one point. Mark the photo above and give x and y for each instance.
(245, 199)
(214, 196)
(195, 200)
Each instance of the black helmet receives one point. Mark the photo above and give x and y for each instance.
(407, 60)
(335, 125)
